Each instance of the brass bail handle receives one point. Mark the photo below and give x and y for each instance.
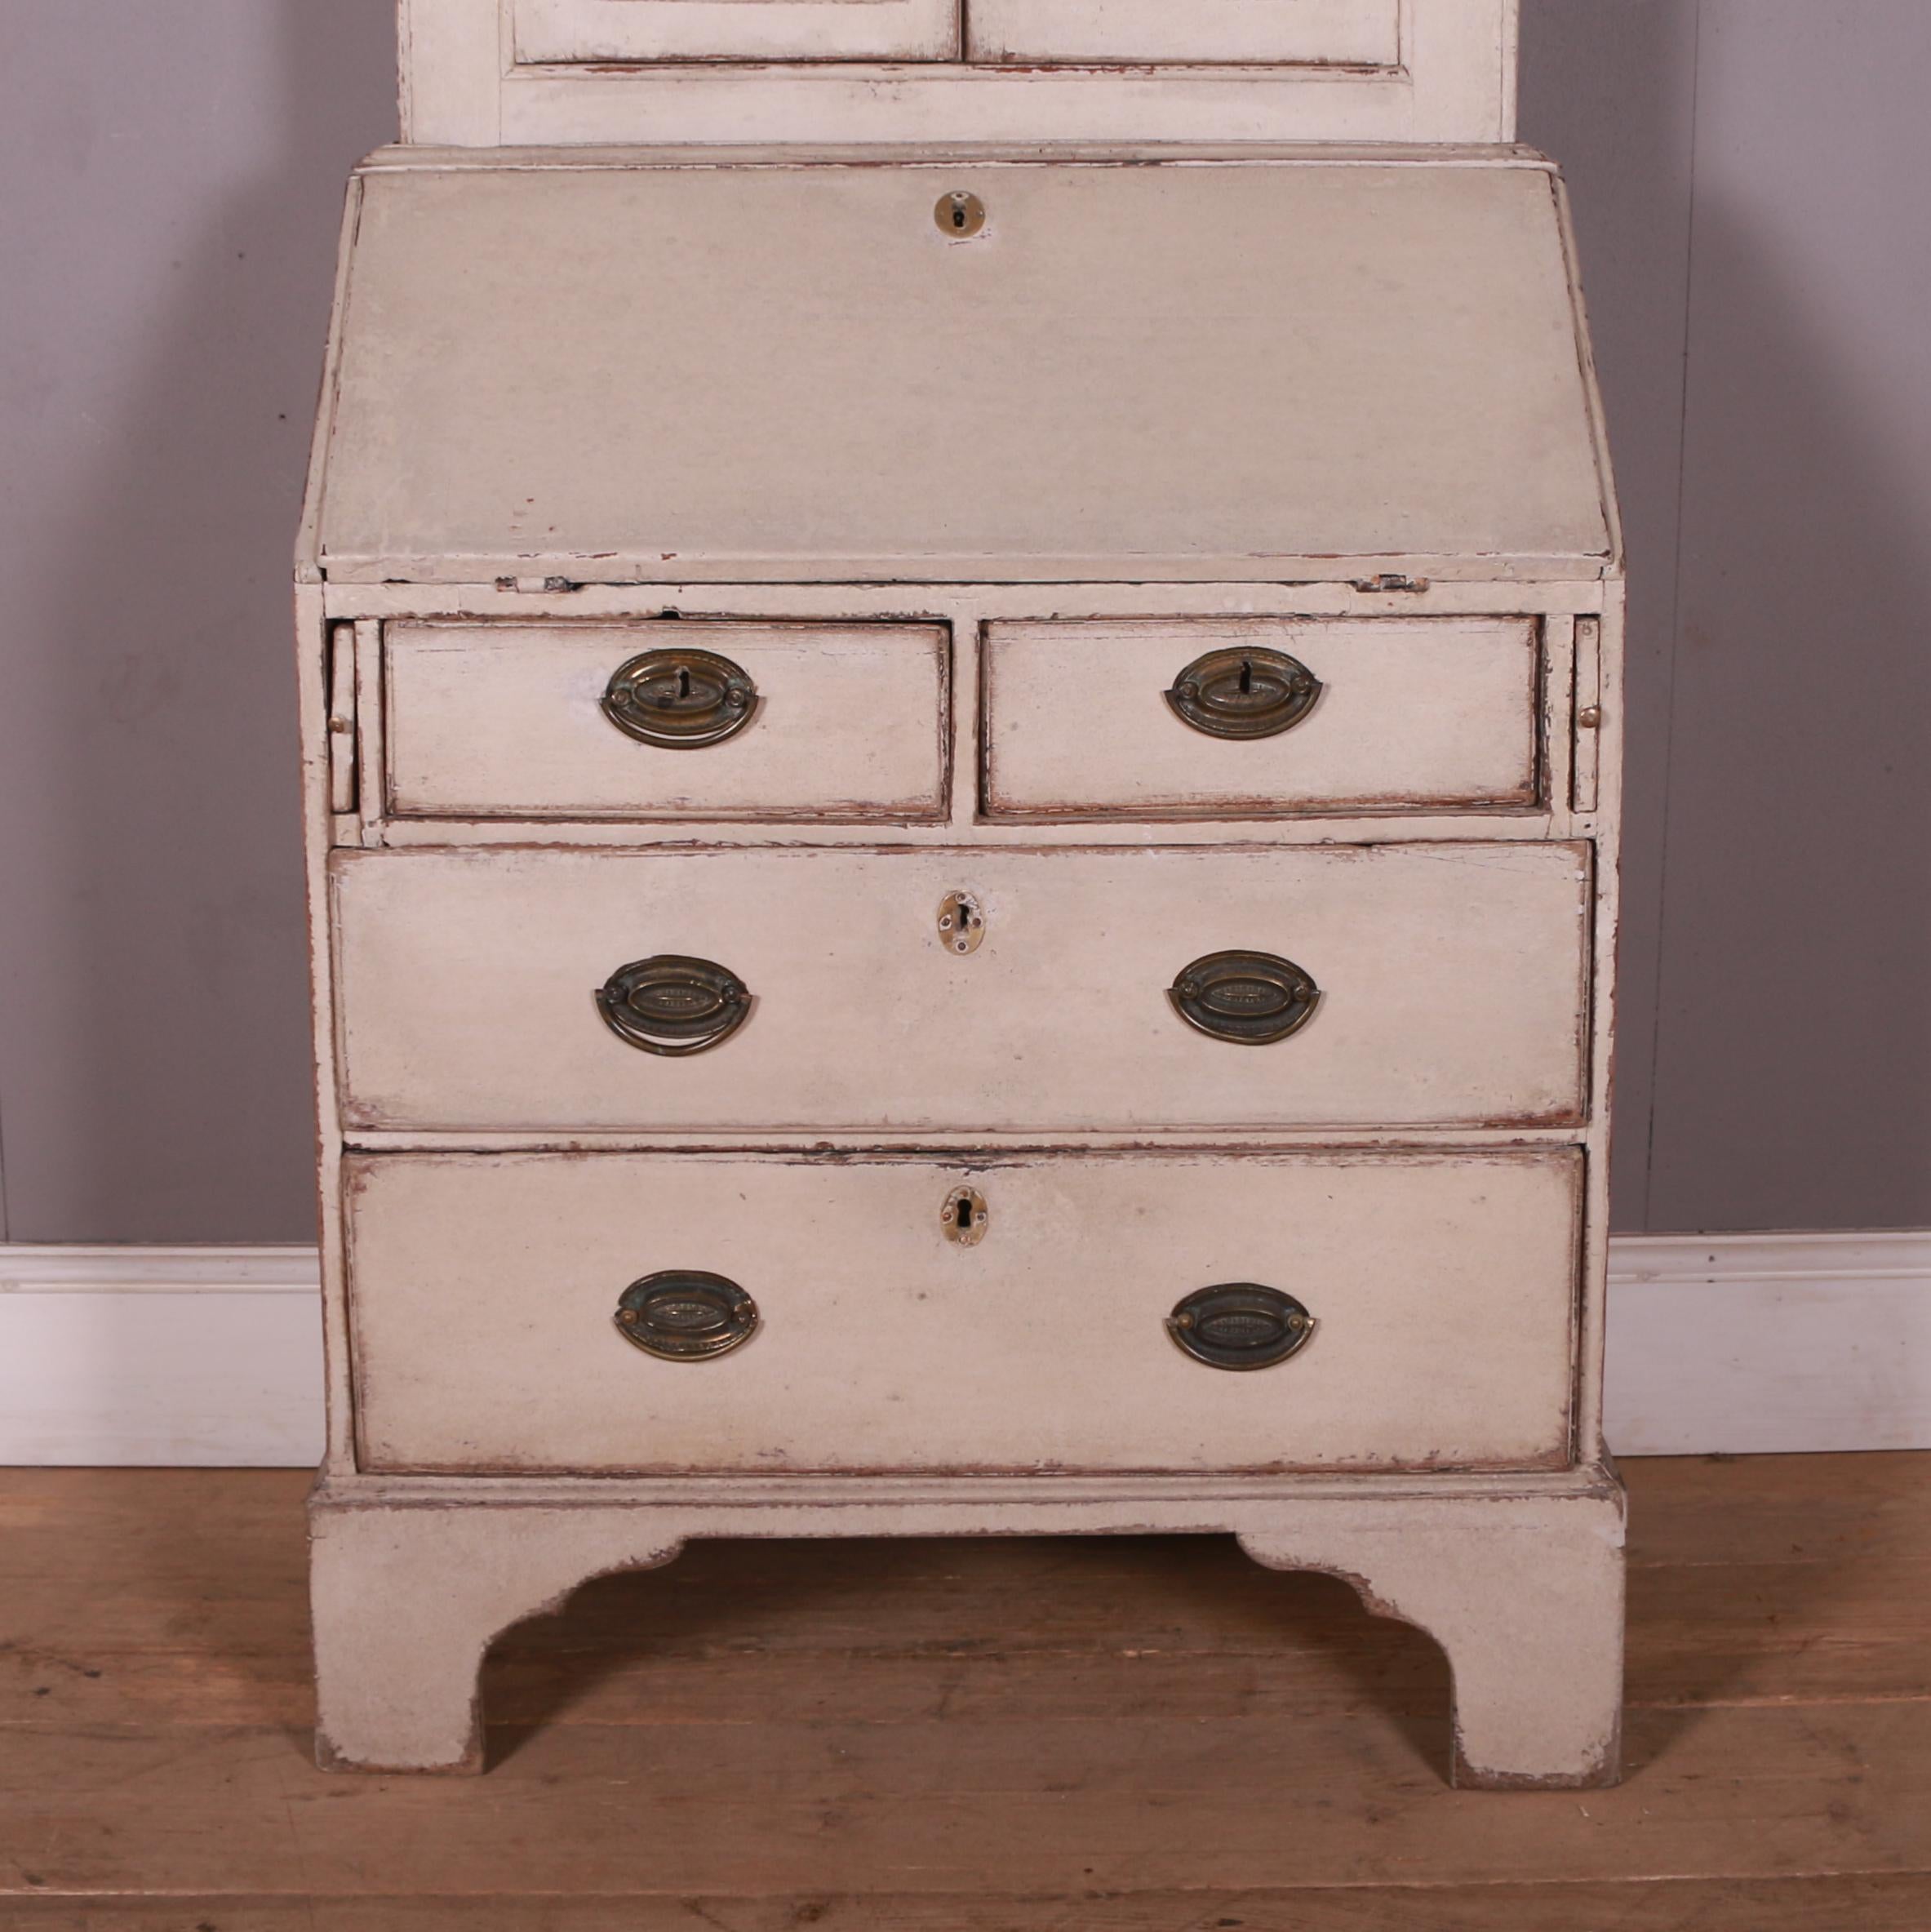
(680, 698)
(672, 1005)
(1244, 691)
(1240, 1325)
(686, 1314)
(1253, 999)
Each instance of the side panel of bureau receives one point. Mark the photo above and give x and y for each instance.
(483, 1291)
(1452, 986)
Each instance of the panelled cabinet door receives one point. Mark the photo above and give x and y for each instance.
(581, 30)
(1333, 32)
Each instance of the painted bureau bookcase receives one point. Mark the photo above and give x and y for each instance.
(960, 668)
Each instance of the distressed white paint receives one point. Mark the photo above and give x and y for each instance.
(1771, 1343)
(1429, 714)
(1121, 377)
(1519, 1580)
(483, 1289)
(506, 722)
(476, 72)
(1452, 975)
(616, 30)
(1347, 33)
(1130, 376)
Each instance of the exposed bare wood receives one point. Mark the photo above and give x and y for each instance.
(1836, 1903)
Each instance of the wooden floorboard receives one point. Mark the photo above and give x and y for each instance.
(1112, 1735)
(1895, 1903)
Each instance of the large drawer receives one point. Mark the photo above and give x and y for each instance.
(1353, 715)
(484, 1293)
(496, 721)
(1451, 987)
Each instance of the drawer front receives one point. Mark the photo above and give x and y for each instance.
(1450, 986)
(670, 720)
(1370, 714)
(484, 1293)
(1325, 32)
(620, 30)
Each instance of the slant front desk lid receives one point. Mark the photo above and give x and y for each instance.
(616, 368)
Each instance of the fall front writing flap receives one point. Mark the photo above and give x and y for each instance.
(612, 367)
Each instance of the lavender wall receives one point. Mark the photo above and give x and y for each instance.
(1748, 185)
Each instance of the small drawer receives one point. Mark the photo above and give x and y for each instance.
(675, 719)
(665, 1312)
(1260, 718)
(828, 989)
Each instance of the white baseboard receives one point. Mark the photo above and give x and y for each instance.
(1743, 1343)
(209, 1357)
(1750, 1344)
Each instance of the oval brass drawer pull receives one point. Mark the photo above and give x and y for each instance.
(1240, 1325)
(680, 698)
(685, 1315)
(674, 1005)
(1252, 998)
(1244, 693)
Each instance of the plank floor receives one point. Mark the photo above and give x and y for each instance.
(1109, 1735)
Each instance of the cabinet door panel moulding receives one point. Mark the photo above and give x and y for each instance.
(624, 30)
(1303, 33)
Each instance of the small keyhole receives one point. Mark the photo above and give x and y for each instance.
(684, 685)
(964, 1218)
(960, 215)
(1246, 677)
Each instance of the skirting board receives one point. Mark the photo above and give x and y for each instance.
(1735, 1344)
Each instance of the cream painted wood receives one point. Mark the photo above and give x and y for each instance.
(1452, 977)
(341, 725)
(1527, 1601)
(1431, 714)
(473, 74)
(1518, 1580)
(506, 722)
(1588, 713)
(483, 1289)
(969, 603)
(1117, 379)
(605, 30)
(1342, 32)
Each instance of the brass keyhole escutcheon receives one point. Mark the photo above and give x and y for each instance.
(960, 215)
(963, 1218)
(961, 923)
